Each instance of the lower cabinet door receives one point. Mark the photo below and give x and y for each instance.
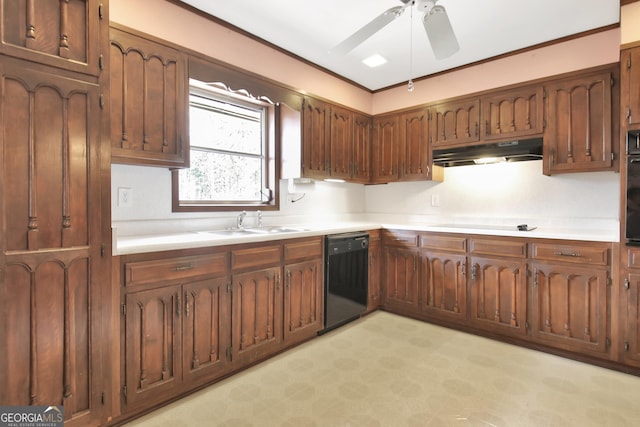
(257, 315)
(631, 326)
(498, 295)
(444, 287)
(303, 307)
(152, 343)
(206, 324)
(401, 280)
(569, 305)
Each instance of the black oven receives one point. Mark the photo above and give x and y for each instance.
(632, 222)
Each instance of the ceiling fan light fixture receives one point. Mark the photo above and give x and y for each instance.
(440, 32)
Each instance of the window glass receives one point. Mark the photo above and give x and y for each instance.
(228, 152)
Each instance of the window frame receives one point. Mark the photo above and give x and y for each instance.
(271, 153)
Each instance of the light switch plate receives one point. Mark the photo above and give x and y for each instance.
(125, 197)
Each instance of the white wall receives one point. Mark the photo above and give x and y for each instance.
(151, 206)
(502, 191)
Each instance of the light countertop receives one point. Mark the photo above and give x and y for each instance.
(130, 244)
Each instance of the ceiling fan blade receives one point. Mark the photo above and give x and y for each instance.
(440, 33)
(368, 30)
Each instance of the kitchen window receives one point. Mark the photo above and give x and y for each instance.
(231, 153)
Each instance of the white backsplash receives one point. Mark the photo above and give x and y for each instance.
(516, 191)
(502, 191)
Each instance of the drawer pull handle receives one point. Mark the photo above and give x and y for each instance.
(183, 267)
(572, 254)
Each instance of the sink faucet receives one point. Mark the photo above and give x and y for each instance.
(240, 219)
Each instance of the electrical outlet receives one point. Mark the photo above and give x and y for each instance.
(435, 200)
(125, 197)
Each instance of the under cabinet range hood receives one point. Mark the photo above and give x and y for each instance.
(512, 151)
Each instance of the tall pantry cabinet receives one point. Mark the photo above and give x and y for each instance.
(54, 186)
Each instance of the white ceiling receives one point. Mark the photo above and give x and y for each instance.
(484, 29)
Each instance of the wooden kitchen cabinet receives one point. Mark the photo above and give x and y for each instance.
(149, 101)
(443, 277)
(386, 149)
(152, 344)
(362, 148)
(53, 276)
(630, 82)
(340, 143)
(581, 132)
(455, 123)
(512, 114)
(206, 332)
(497, 285)
(374, 297)
(63, 34)
(257, 314)
(316, 132)
(177, 324)
(631, 319)
(415, 157)
(401, 278)
(630, 306)
(569, 296)
(401, 149)
(303, 289)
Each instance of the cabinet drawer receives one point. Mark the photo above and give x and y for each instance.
(401, 238)
(301, 249)
(260, 256)
(144, 272)
(512, 248)
(633, 257)
(579, 254)
(442, 242)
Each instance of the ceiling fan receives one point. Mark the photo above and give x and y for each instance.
(436, 25)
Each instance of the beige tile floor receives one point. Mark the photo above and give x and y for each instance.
(386, 370)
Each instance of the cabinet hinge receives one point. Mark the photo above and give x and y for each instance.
(102, 250)
(124, 391)
(627, 284)
(101, 61)
(628, 116)
(544, 123)
(613, 156)
(102, 398)
(607, 342)
(626, 346)
(101, 11)
(609, 281)
(526, 325)
(124, 310)
(101, 101)
(229, 286)
(613, 82)
(229, 353)
(535, 277)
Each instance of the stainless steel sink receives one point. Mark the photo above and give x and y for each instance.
(273, 229)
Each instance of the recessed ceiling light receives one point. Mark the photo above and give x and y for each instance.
(375, 60)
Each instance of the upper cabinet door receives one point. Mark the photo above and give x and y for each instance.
(415, 145)
(455, 123)
(362, 125)
(341, 143)
(579, 132)
(630, 78)
(63, 34)
(316, 119)
(149, 102)
(512, 114)
(386, 148)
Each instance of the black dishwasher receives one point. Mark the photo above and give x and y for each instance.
(346, 278)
